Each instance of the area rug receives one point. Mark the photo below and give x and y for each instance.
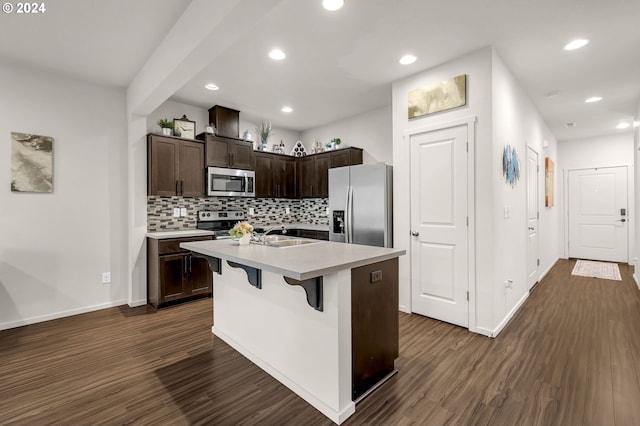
(604, 270)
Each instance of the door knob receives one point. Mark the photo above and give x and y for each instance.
(415, 233)
(531, 228)
(621, 220)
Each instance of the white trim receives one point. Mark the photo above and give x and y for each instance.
(136, 303)
(510, 315)
(63, 314)
(635, 278)
(403, 308)
(531, 148)
(468, 121)
(335, 416)
(544, 274)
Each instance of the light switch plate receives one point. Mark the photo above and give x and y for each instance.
(287, 210)
(183, 212)
(176, 212)
(106, 277)
(251, 211)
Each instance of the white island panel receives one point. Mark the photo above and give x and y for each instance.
(307, 350)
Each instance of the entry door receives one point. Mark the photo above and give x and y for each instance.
(439, 247)
(598, 215)
(532, 217)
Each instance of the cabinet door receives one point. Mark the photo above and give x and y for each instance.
(173, 269)
(264, 176)
(200, 277)
(163, 166)
(341, 158)
(287, 183)
(305, 177)
(242, 156)
(321, 176)
(192, 169)
(218, 152)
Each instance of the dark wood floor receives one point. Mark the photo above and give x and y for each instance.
(571, 356)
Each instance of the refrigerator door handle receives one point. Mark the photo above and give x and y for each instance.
(349, 215)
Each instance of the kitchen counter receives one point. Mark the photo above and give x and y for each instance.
(297, 262)
(320, 318)
(178, 234)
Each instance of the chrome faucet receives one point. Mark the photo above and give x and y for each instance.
(262, 236)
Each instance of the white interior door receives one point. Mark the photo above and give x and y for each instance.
(598, 215)
(533, 261)
(439, 247)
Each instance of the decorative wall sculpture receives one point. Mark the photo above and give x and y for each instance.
(441, 96)
(510, 165)
(31, 163)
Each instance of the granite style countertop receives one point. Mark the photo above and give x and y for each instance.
(179, 234)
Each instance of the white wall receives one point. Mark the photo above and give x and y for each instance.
(604, 151)
(172, 109)
(517, 122)
(287, 136)
(371, 131)
(504, 115)
(477, 66)
(54, 247)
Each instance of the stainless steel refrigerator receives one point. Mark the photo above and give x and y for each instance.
(360, 205)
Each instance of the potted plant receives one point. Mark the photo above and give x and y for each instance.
(166, 126)
(264, 130)
(336, 143)
(242, 231)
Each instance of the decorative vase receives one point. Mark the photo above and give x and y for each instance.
(244, 240)
(166, 131)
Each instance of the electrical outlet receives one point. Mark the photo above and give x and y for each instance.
(176, 212)
(376, 276)
(327, 211)
(287, 210)
(183, 212)
(251, 211)
(106, 277)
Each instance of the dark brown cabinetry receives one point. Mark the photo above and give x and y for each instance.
(228, 152)
(175, 166)
(275, 176)
(226, 120)
(174, 274)
(313, 174)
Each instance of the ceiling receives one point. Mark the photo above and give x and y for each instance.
(342, 63)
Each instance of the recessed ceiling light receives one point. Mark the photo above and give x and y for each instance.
(570, 124)
(636, 123)
(407, 59)
(623, 125)
(211, 86)
(332, 4)
(576, 44)
(277, 54)
(593, 99)
(287, 109)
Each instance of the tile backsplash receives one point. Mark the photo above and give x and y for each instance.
(266, 210)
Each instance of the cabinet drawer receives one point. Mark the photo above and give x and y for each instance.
(173, 245)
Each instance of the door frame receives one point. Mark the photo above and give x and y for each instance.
(537, 198)
(630, 202)
(470, 122)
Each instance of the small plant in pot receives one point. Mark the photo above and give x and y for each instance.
(336, 143)
(264, 130)
(166, 126)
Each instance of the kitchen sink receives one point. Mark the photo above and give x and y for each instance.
(286, 241)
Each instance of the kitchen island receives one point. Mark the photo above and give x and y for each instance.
(321, 318)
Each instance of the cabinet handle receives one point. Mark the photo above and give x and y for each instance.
(181, 187)
(177, 187)
(190, 264)
(184, 263)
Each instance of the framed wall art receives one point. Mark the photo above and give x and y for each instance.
(441, 96)
(184, 128)
(31, 163)
(549, 172)
(510, 165)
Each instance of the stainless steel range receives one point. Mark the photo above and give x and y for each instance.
(219, 221)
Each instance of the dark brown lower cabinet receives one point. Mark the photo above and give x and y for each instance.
(374, 324)
(175, 275)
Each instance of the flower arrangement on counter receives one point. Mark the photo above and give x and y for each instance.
(241, 229)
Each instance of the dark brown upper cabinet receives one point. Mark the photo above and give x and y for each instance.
(226, 120)
(313, 170)
(175, 166)
(228, 152)
(275, 176)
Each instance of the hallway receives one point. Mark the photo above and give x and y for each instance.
(569, 357)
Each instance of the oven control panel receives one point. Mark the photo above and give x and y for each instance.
(212, 215)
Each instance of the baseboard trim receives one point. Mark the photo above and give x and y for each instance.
(635, 278)
(510, 315)
(58, 315)
(404, 309)
(336, 416)
(544, 274)
(136, 303)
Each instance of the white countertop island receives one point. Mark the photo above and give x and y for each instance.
(321, 318)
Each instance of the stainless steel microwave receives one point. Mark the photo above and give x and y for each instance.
(230, 182)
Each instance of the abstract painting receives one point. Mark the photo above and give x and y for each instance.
(510, 165)
(441, 96)
(549, 171)
(31, 163)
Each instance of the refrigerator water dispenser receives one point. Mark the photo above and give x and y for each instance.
(338, 221)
